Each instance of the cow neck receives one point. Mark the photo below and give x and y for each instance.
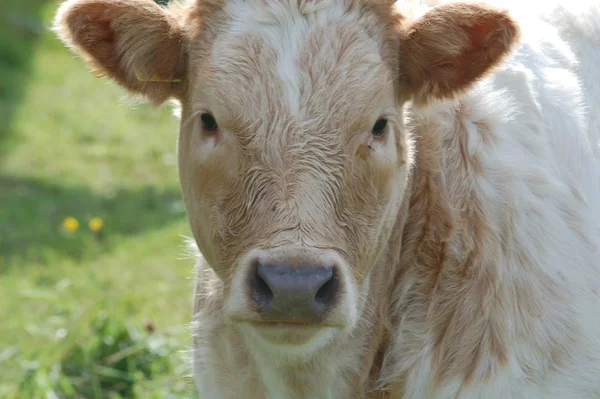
(379, 319)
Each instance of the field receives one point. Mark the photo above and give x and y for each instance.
(95, 284)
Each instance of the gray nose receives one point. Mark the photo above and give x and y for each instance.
(300, 294)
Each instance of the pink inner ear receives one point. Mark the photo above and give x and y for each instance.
(95, 34)
(485, 47)
(486, 41)
(109, 33)
(478, 33)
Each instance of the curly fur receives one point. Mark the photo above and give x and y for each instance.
(467, 236)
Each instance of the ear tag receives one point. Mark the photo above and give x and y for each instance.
(154, 78)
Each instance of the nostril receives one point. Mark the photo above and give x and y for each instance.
(300, 293)
(261, 292)
(325, 296)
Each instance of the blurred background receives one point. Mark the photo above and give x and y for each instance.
(95, 283)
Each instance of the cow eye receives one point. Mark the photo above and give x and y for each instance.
(209, 122)
(379, 127)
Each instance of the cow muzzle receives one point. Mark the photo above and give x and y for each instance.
(288, 295)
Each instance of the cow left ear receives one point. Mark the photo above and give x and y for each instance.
(452, 45)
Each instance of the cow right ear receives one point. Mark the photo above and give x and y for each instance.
(137, 43)
(447, 49)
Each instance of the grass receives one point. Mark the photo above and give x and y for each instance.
(85, 314)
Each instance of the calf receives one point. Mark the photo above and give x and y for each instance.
(391, 200)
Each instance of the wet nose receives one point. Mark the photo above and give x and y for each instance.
(299, 294)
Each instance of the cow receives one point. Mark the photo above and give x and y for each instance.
(388, 199)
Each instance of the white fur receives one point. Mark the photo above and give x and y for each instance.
(543, 106)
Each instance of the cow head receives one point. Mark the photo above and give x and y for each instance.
(293, 156)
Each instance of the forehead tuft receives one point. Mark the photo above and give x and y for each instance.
(296, 57)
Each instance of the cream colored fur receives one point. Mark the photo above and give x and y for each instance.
(468, 236)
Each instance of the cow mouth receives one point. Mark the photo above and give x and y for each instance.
(288, 334)
(286, 324)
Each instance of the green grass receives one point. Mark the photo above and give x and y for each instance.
(75, 306)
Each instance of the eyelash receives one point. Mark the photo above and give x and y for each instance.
(379, 128)
(209, 123)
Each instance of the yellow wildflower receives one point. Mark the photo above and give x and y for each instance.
(71, 224)
(96, 224)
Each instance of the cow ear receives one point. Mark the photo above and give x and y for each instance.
(452, 45)
(137, 43)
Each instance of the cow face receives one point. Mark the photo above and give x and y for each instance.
(293, 157)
